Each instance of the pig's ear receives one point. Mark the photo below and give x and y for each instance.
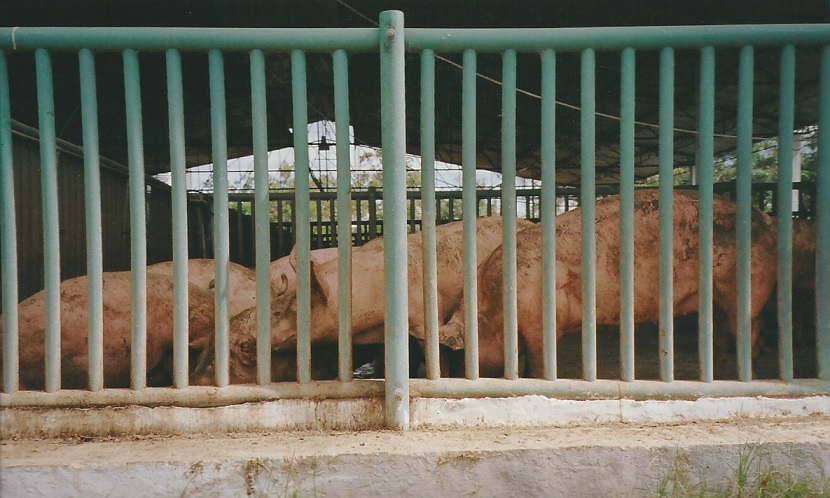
(292, 258)
(318, 284)
(283, 284)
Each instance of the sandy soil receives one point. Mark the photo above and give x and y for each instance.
(81, 451)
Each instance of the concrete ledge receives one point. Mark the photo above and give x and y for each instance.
(541, 410)
(601, 460)
(365, 414)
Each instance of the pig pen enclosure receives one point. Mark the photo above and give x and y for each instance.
(613, 278)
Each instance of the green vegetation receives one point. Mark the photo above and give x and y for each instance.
(751, 478)
(764, 162)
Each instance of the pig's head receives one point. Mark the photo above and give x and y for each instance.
(243, 332)
(242, 355)
(284, 304)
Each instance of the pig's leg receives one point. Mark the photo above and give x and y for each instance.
(531, 347)
(722, 339)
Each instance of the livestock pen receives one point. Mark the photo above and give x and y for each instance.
(353, 403)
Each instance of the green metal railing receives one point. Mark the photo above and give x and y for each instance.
(390, 41)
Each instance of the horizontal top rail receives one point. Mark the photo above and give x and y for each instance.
(442, 40)
(615, 38)
(189, 39)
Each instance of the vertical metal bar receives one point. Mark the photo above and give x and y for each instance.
(822, 210)
(92, 203)
(508, 195)
(221, 242)
(666, 175)
(344, 212)
(51, 238)
(8, 238)
(372, 205)
(393, 126)
(318, 204)
(548, 214)
(240, 231)
(428, 213)
(178, 177)
(302, 208)
(262, 224)
(332, 224)
(706, 209)
(588, 198)
(744, 214)
(786, 118)
(138, 227)
(468, 163)
(627, 103)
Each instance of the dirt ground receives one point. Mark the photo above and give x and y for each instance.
(287, 444)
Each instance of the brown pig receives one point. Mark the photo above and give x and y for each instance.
(283, 276)
(368, 295)
(803, 288)
(805, 235)
(117, 304)
(646, 271)
(202, 273)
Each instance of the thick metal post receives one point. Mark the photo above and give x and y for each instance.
(508, 199)
(393, 126)
(8, 238)
(744, 214)
(627, 103)
(221, 243)
(706, 210)
(178, 177)
(548, 214)
(666, 152)
(468, 162)
(302, 229)
(262, 224)
(786, 117)
(588, 204)
(138, 227)
(823, 221)
(344, 213)
(428, 213)
(92, 204)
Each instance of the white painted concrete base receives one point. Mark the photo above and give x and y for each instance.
(365, 414)
(540, 410)
(600, 460)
